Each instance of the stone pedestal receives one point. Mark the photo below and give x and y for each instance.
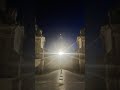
(81, 51)
(39, 51)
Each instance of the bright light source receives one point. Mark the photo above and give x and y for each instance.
(61, 53)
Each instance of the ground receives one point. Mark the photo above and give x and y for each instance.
(58, 80)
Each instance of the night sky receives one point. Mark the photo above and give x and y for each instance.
(61, 17)
(64, 17)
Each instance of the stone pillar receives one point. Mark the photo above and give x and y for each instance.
(81, 51)
(39, 50)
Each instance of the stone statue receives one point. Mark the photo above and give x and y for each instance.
(82, 32)
(8, 17)
(38, 31)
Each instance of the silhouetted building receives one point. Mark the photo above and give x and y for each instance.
(111, 40)
(10, 50)
(11, 42)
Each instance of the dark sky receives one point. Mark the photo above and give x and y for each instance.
(65, 17)
(68, 17)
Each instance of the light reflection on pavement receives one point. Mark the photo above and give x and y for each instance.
(57, 81)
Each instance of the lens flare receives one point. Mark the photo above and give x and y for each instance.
(61, 53)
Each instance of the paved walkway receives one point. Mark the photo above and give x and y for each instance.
(58, 80)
